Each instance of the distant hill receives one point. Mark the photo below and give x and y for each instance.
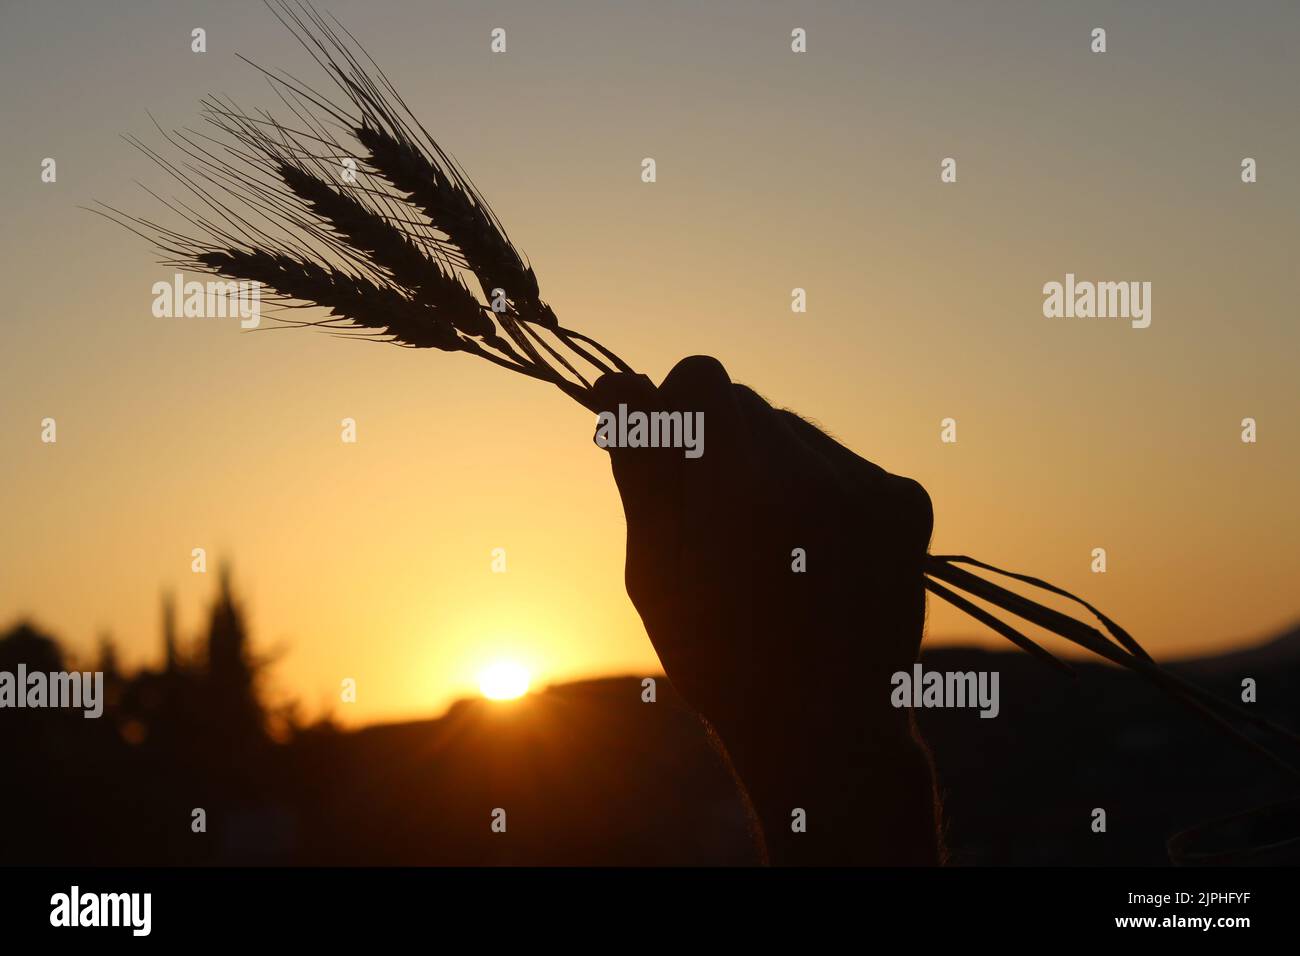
(590, 774)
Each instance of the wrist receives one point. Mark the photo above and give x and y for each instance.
(839, 794)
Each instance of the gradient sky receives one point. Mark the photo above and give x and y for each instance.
(775, 170)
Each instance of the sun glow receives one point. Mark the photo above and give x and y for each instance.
(504, 680)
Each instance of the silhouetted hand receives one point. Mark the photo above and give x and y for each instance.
(779, 576)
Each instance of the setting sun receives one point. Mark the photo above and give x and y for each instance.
(504, 680)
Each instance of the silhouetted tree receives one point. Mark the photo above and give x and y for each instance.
(231, 675)
(24, 644)
(108, 659)
(171, 663)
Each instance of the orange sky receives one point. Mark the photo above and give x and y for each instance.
(373, 561)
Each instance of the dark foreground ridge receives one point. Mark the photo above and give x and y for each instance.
(589, 774)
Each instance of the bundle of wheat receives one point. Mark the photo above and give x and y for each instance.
(388, 247)
(386, 244)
